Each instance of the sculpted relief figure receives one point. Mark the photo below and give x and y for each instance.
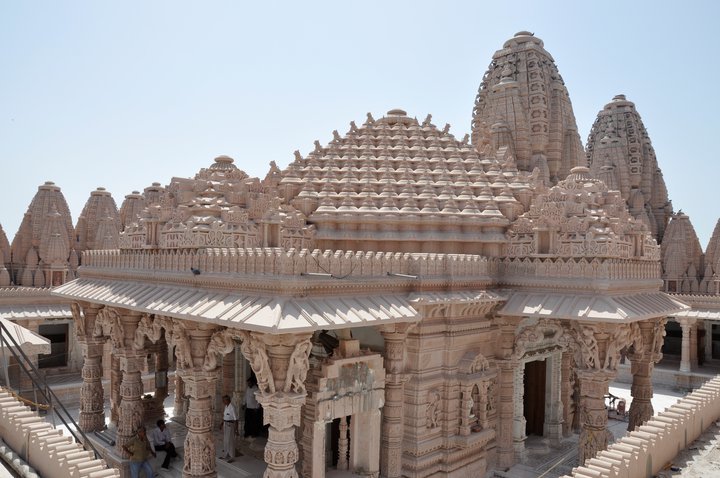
(78, 320)
(298, 368)
(254, 351)
(147, 327)
(432, 412)
(181, 342)
(222, 343)
(589, 348)
(107, 324)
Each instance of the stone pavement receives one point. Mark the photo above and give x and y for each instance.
(544, 461)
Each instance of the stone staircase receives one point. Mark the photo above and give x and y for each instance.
(44, 447)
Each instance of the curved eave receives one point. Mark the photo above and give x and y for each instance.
(269, 314)
(614, 308)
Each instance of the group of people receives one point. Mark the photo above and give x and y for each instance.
(253, 420)
(140, 448)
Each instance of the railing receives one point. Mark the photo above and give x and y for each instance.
(276, 261)
(55, 406)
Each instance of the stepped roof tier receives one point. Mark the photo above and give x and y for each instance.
(580, 218)
(99, 223)
(682, 256)
(523, 105)
(395, 184)
(220, 207)
(620, 153)
(45, 237)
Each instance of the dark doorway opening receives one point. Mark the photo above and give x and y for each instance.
(534, 397)
(57, 334)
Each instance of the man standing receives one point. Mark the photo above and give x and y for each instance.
(163, 442)
(229, 426)
(139, 449)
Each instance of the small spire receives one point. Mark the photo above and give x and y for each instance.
(370, 119)
(427, 121)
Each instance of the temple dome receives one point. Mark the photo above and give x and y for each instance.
(99, 209)
(682, 256)
(48, 199)
(523, 105)
(397, 180)
(711, 275)
(620, 153)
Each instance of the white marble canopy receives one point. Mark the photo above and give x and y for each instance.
(263, 313)
(591, 307)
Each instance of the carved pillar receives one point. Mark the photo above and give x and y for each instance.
(92, 402)
(115, 379)
(200, 384)
(364, 459)
(554, 400)
(343, 445)
(644, 355)
(161, 374)
(130, 411)
(280, 363)
(567, 392)
(179, 403)
(199, 442)
(594, 385)
(708, 340)
(506, 391)
(694, 345)
(519, 422)
(392, 415)
(686, 324)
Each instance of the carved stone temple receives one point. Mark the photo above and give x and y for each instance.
(412, 304)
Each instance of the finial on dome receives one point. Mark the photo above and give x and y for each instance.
(224, 159)
(524, 34)
(619, 98)
(397, 112)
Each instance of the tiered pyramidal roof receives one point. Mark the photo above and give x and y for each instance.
(523, 105)
(401, 185)
(620, 153)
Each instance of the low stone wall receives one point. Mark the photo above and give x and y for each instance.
(44, 447)
(645, 451)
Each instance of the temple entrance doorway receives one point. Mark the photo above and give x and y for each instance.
(534, 397)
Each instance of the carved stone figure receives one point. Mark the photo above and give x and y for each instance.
(432, 412)
(298, 367)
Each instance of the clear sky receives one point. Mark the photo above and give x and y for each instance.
(123, 93)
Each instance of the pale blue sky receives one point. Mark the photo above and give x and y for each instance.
(121, 94)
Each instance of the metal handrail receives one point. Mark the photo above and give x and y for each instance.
(40, 385)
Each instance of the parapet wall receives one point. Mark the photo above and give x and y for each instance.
(44, 447)
(645, 451)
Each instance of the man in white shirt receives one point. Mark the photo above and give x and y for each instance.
(229, 426)
(162, 441)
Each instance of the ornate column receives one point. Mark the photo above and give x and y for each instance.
(686, 324)
(92, 406)
(92, 400)
(343, 443)
(708, 340)
(598, 353)
(131, 412)
(644, 354)
(566, 392)
(199, 375)
(554, 399)
(594, 435)
(392, 416)
(519, 422)
(506, 391)
(282, 394)
(179, 403)
(161, 374)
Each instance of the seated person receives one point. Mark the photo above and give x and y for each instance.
(163, 442)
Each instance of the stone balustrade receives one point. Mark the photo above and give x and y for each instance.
(650, 447)
(44, 447)
(277, 261)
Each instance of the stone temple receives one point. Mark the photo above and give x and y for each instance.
(412, 304)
